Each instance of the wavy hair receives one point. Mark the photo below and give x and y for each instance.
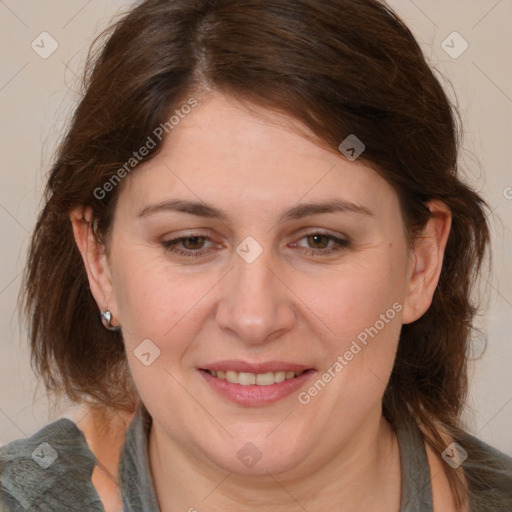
(340, 68)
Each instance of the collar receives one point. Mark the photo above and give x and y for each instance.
(139, 495)
(134, 473)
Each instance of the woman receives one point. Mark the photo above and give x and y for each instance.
(254, 267)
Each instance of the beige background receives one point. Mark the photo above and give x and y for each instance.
(37, 96)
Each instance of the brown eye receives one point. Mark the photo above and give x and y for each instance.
(194, 245)
(318, 241)
(321, 244)
(196, 242)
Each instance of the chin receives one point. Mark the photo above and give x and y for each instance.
(259, 456)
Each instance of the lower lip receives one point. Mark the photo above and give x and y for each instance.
(253, 395)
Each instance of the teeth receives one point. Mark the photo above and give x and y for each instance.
(246, 379)
(232, 376)
(259, 379)
(279, 376)
(265, 379)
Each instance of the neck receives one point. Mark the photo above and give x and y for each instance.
(104, 431)
(364, 474)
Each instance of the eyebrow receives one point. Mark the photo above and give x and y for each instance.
(299, 211)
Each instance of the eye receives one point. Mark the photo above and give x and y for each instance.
(193, 242)
(318, 239)
(193, 245)
(196, 245)
(319, 242)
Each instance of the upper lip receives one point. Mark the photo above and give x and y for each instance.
(246, 367)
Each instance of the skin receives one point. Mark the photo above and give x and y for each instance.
(105, 433)
(286, 305)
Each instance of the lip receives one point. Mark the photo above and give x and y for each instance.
(253, 395)
(244, 366)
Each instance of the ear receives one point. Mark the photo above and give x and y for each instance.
(426, 262)
(95, 259)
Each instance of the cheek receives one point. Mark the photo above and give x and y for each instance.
(158, 310)
(355, 298)
(360, 313)
(360, 325)
(160, 302)
(150, 298)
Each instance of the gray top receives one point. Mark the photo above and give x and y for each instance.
(51, 471)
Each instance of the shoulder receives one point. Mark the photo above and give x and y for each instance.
(488, 472)
(49, 471)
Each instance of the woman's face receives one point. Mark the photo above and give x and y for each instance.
(223, 257)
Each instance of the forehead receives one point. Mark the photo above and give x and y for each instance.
(223, 153)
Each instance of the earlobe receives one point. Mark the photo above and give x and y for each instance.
(94, 258)
(426, 262)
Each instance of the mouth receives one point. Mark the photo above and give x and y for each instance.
(256, 384)
(255, 379)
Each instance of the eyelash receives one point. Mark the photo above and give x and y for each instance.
(171, 245)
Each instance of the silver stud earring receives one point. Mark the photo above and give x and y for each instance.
(106, 319)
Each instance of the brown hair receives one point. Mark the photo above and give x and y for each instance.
(340, 68)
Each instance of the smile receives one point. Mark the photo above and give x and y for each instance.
(255, 389)
(258, 379)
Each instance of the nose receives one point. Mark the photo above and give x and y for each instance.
(256, 306)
